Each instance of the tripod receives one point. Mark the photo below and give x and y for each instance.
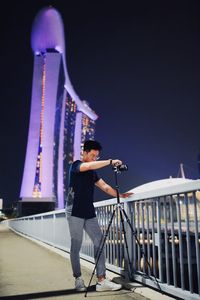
(122, 215)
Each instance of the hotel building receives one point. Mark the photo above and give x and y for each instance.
(59, 121)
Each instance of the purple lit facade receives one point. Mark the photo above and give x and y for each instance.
(59, 121)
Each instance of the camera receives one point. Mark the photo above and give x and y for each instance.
(120, 168)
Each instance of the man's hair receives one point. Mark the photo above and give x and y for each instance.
(91, 145)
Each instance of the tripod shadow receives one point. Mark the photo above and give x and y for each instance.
(48, 294)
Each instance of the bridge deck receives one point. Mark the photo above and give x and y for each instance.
(29, 271)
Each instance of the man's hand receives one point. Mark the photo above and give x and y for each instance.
(116, 162)
(125, 195)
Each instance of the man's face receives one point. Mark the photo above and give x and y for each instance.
(92, 155)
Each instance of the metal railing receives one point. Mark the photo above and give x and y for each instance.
(164, 245)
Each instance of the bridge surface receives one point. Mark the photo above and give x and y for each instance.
(29, 271)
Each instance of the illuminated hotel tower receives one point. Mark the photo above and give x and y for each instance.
(59, 121)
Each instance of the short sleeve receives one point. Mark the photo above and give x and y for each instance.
(96, 177)
(76, 166)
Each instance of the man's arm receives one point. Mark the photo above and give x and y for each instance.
(109, 190)
(94, 165)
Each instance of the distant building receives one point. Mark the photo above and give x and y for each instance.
(59, 121)
(198, 163)
(1, 204)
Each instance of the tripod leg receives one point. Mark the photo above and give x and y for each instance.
(141, 249)
(138, 242)
(133, 231)
(99, 252)
(126, 245)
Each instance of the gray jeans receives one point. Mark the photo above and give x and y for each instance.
(91, 227)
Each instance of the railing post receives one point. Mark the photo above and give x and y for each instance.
(129, 237)
(159, 240)
(54, 228)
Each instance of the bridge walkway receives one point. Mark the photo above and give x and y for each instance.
(29, 271)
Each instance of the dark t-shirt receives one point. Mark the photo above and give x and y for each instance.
(81, 191)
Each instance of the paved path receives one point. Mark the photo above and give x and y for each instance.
(29, 271)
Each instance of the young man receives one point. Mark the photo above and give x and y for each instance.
(81, 213)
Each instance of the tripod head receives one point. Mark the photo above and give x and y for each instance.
(117, 170)
(120, 168)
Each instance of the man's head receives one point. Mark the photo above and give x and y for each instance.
(91, 150)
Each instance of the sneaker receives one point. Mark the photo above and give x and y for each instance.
(107, 285)
(79, 285)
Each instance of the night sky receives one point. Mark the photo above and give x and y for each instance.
(137, 63)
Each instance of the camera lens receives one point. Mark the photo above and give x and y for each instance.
(123, 168)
